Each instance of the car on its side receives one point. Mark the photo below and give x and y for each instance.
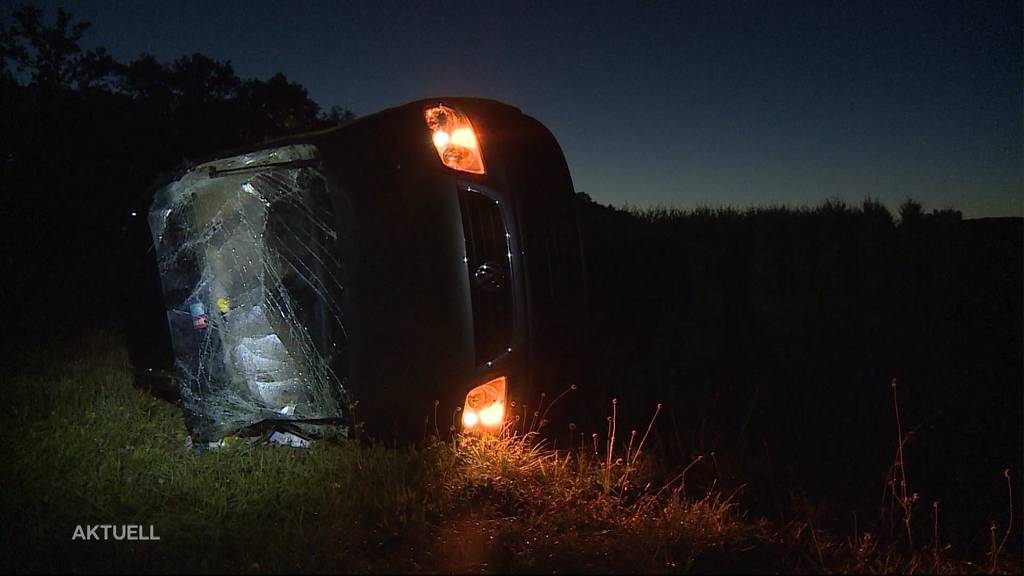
(416, 264)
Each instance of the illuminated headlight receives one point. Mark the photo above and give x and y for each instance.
(454, 139)
(485, 406)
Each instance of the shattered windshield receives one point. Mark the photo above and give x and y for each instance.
(248, 256)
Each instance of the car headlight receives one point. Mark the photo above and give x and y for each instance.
(485, 406)
(454, 139)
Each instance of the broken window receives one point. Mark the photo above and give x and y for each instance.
(250, 262)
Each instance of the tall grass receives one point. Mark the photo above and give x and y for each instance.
(85, 447)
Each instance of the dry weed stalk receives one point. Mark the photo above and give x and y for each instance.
(906, 502)
(997, 550)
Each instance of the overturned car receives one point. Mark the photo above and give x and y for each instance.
(422, 262)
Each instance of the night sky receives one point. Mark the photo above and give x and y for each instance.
(674, 103)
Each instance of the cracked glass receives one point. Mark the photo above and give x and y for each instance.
(249, 256)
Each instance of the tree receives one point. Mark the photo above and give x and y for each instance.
(97, 70)
(145, 114)
(51, 55)
(199, 78)
(911, 212)
(10, 51)
(277, 106)
(335, 116)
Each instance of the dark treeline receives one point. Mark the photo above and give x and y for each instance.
(85, 135)
(772, 335)
(81, 126)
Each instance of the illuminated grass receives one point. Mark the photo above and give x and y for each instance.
(82, 446)
(87, 448)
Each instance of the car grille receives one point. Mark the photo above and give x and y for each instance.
(488, 263)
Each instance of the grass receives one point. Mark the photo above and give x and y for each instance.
(88, 448)
(82, 446)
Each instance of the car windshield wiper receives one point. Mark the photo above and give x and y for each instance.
(293, 164)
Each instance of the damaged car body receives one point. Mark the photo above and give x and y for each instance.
(420, 263)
